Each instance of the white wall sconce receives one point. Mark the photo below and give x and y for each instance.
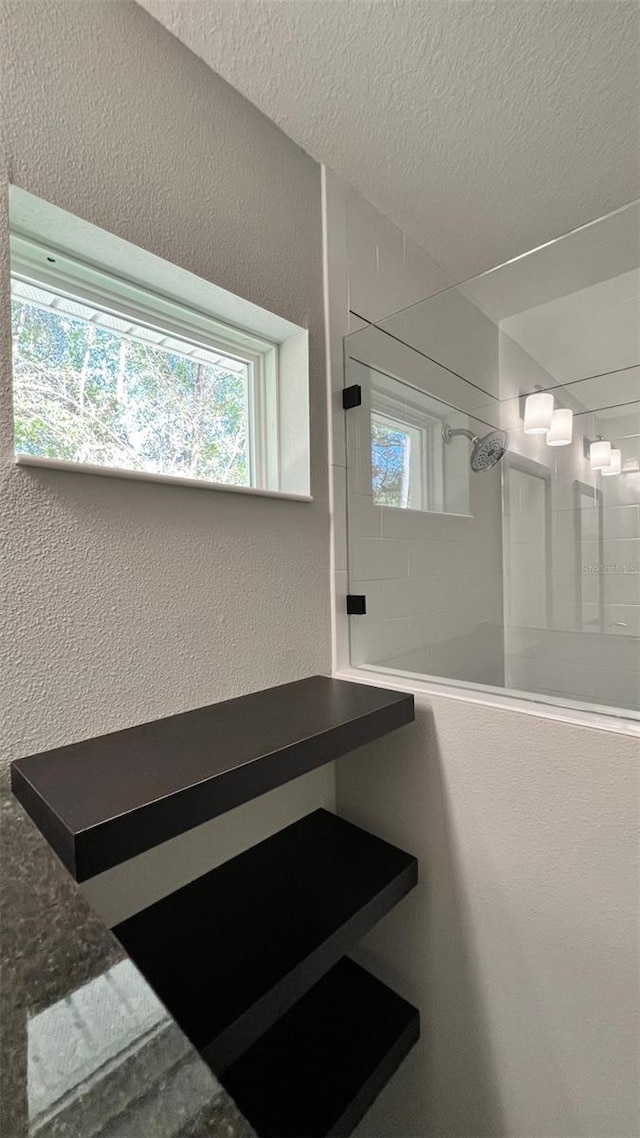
(615, 466)
(561, 429)
(600, 454)
(538, 410)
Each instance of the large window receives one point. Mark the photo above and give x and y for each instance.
(125, 383)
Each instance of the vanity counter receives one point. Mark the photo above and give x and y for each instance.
(87, 1049)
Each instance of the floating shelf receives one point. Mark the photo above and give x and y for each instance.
(316, 1072)
(105, 800)
(233, 950)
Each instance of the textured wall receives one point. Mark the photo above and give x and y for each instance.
(520, 944)
(124, 601)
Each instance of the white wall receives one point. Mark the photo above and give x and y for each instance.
(520, 945)
(125, 601)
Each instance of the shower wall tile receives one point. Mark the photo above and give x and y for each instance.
(339, 514)
(417, 525)
(526, 610)
(622, 589)
(365, 518)
(386, 270)
(600, 650)
(417, 661)
(468, 557)
(373, 558)
(621, 521)
(336, 306)
(624, 552)
(341, 622)
(621, 491)
(612, 686)
(431, 558)
(374, 641)
(469, 653)
(422, 276)
(490, 672)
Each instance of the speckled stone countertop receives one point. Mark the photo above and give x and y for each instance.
(86, 1048)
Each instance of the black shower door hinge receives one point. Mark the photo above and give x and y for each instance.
(356, 604)
(351, 396)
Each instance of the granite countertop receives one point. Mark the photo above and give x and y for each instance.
(86, 1048)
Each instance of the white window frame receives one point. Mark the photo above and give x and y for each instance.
(426, 481)
(35, 264)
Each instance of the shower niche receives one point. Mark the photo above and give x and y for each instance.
(492, 550)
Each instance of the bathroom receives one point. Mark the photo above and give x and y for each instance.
(435, 203)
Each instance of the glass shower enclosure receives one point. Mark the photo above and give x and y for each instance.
(493, 477)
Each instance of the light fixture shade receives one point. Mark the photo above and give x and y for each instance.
(561, 429)
(615, 466)
(538, 410)
(600, 454)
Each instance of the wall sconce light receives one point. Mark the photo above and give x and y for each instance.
(538, 410)
(561, 429)
(600, 454)
(615, 466)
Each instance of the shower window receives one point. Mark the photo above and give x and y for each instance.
(408, 460)
(398, 463)
(492, 557)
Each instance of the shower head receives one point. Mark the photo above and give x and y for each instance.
(486, 451)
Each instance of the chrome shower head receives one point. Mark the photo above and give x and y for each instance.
(486, 451)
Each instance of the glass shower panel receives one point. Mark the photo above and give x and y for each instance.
(424, 537)
(488, 556)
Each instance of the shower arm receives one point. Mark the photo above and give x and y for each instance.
(448, 433)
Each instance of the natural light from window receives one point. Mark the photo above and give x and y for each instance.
(127, 365)
(91, 387)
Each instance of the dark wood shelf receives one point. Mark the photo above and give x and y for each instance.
(317, 1071)
(232, 951)
(107, 799)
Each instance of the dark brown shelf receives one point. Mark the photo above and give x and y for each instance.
(232, 951)
(317, 1071)
(107, 799)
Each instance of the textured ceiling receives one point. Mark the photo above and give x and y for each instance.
(482, 127)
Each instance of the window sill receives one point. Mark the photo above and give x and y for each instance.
(144, 476)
